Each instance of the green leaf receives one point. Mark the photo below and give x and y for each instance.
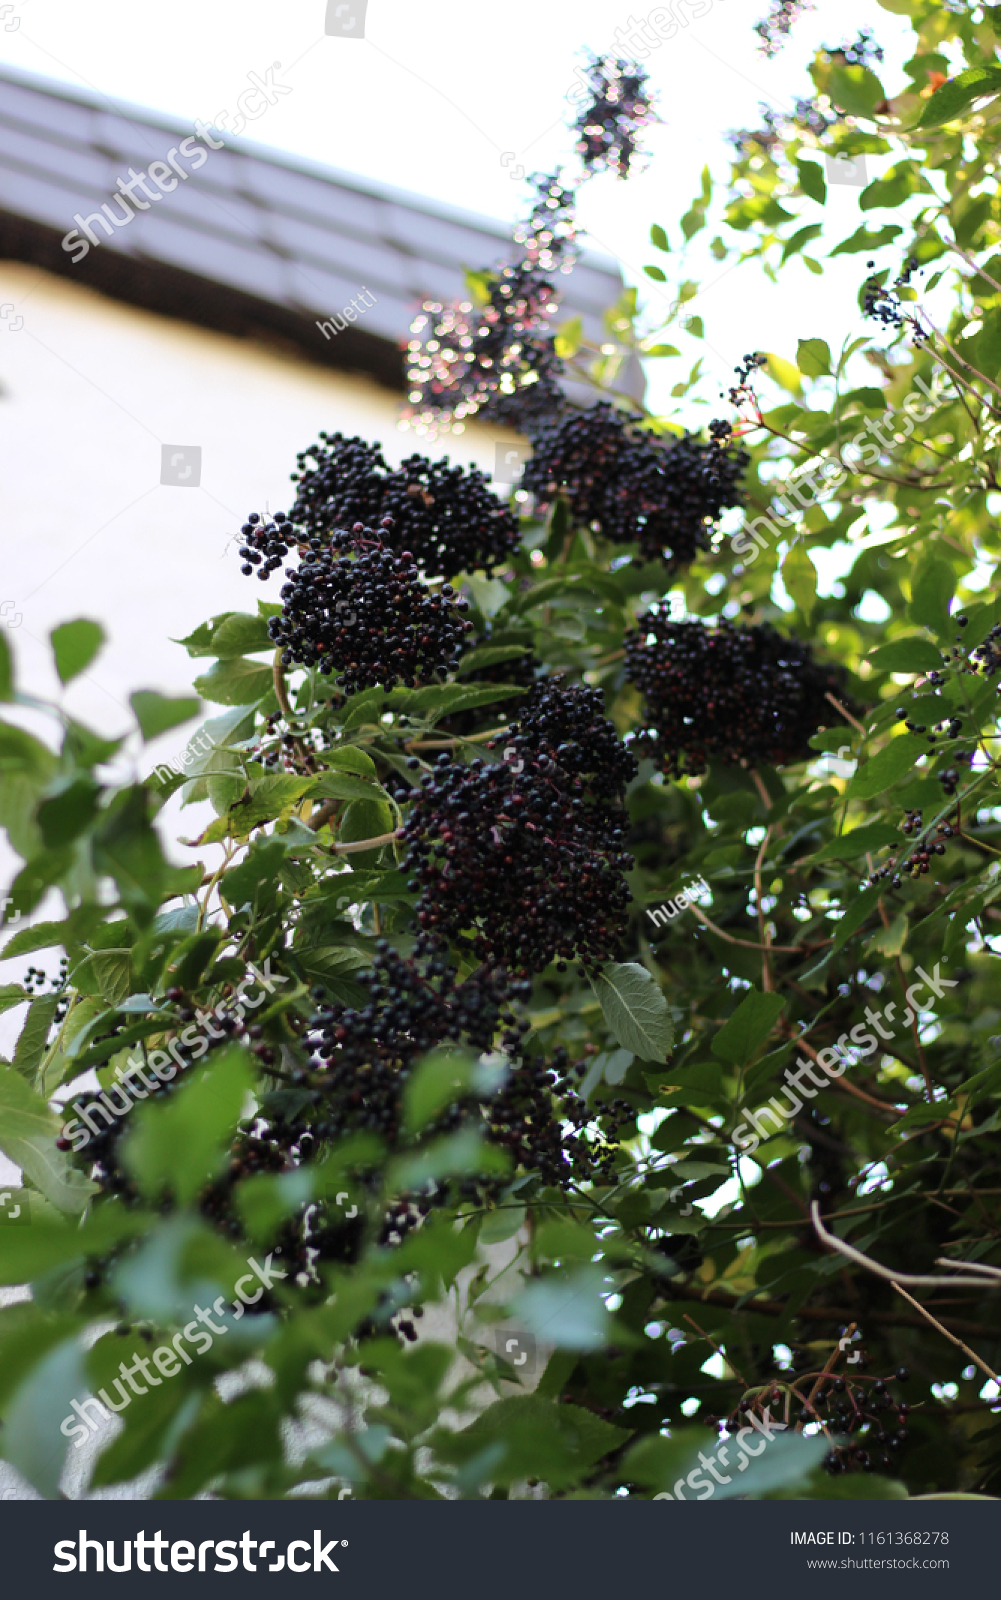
(6, 670)
(858, 842)
(156, 714)
(813, 356)
(30, 1046)
(333, 968)
(235, 682)
(529, 1436)
(69, 811)
(178, 1146)
(931, 591)
(489, 655)
(74, 645)
(345, 786)
(28, 1133)
(812, 181)
(913, 654)
(656, 273)
(567, 1310)
(365, 819)
(887, 767)
(241, 634)
(11, 994)
(635, 1010)
(748, 1028)
(800, 577)
(867, 239)
(442, 1077)
(951, 99)
(658, 238)
(126, 847)
(785, 373)
(32, 1439)
(855, 90)
(568, 337)
(858, 912)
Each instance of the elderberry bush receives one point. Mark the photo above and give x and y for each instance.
(746, 695)
(622, 481)
(359, 609)
(513, 864)
(447, 516)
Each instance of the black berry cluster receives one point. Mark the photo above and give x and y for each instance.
(549, 233)
(915, 864)
(774, 30)
(363, 1058)
(359, 609)
(861, 52)
(631, 487)
(499, 358)
(866, 1409)
(448, 517)
(736, 694)
(885, 306)
(567, 725)
(609, 125)
(511, 862)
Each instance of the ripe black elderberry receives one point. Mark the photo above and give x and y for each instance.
(367, 615)
(633, 488)
(514, 864)
(565, 723)
(447, 516)
(739, 694)
(364, 1058)
(608, 126)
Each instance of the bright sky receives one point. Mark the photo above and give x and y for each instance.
(446, 98)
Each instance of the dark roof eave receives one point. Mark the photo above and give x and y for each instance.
(173, 292)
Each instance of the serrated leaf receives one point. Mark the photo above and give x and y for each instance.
(241, 634)
(951, 99)
(235, 682)
(30, 1046)
(635, 1010)
(28, 1133)
(74, 645)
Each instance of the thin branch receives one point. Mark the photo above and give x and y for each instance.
(767, 983)
(846, 714)
(916, 1280)
(449, 744)
(759, 784)
(751, 944)
(944, 1331)
(722, 1355)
